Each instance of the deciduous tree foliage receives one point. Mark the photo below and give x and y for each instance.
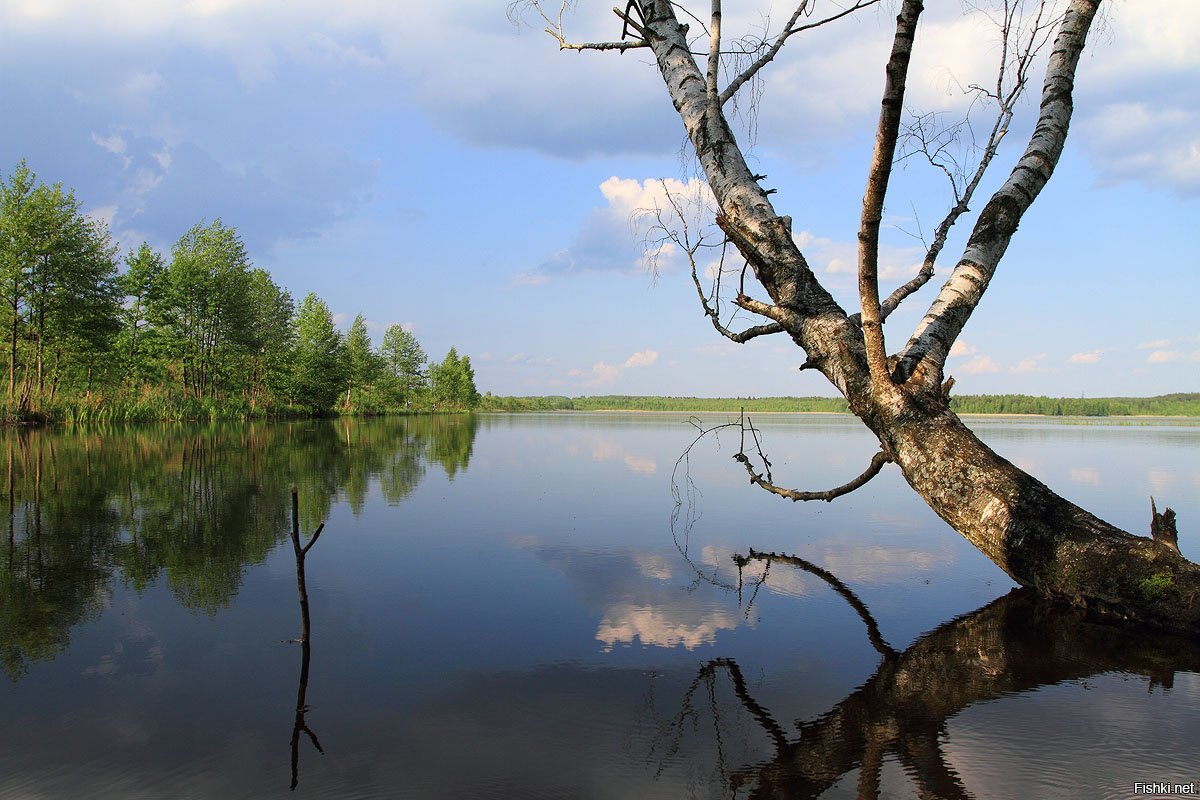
(403, 364)
(204, 314)
(318, 359)
(1038, 538)
(57, 285)
(363, 364)
(453, 381)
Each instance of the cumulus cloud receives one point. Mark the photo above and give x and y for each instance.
(980, 365)
(621, 235)
(840, 258)
(642, 359)
(625, 622)
(602, 373)
(1163, 356)
(1088, 357)
(1139, 96)
(1030, 364)
(961, 349)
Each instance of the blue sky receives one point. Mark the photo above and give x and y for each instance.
(435, 166)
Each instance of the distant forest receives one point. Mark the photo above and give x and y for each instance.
(1169, 405)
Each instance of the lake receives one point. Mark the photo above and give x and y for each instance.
(544, 606)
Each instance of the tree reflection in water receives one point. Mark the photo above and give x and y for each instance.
(1015, 644)
(305, 640)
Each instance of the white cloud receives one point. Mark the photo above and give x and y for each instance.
(980, 365)
(141, 84)
(1157, 344)
(640, 464)
(621, 235)
(663, 627)
(642, 359)
(1163, 356)
(114, 143)
(1139, 96)
(604, 373)
(835, 257)
(103, 214)
(600, 373)
(1088, 357)
(1031, 364)
(962, 348)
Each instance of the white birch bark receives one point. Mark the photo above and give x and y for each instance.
(925, 354)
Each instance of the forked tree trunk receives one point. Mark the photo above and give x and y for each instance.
(1038, 538)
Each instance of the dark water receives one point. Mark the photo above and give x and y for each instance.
(515, 606)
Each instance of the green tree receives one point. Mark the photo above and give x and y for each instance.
(143, 284)
(205, 312)
(270, 361)
(58, 283)
(318, 364)
(453, 381)
(16, 257)
(403, 365)
(363, 364)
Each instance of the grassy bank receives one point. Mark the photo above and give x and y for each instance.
(153, 406)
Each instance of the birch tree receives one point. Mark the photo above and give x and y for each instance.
(901, 394)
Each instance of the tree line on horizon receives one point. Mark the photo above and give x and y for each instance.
(1170, 405)
(199, 333)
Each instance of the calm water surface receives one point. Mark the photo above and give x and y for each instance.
(516, 606)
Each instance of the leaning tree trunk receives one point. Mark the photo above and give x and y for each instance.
(1038, 538)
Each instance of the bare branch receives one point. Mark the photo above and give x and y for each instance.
(681, 237)
(877, 462)
(891, 110)
(789, 30)
(714, 317)
(1006, 98)
(926, 352)
(767, 482)
(563, 44)
(554, 26)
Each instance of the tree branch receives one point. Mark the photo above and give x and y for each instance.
(891, 111)
(554, 27)
(877, 462)
(788, 31)
(684, 242)
(925, 354)
(1006, 98)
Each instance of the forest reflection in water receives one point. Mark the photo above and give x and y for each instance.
(196, 505)
(501, 611)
